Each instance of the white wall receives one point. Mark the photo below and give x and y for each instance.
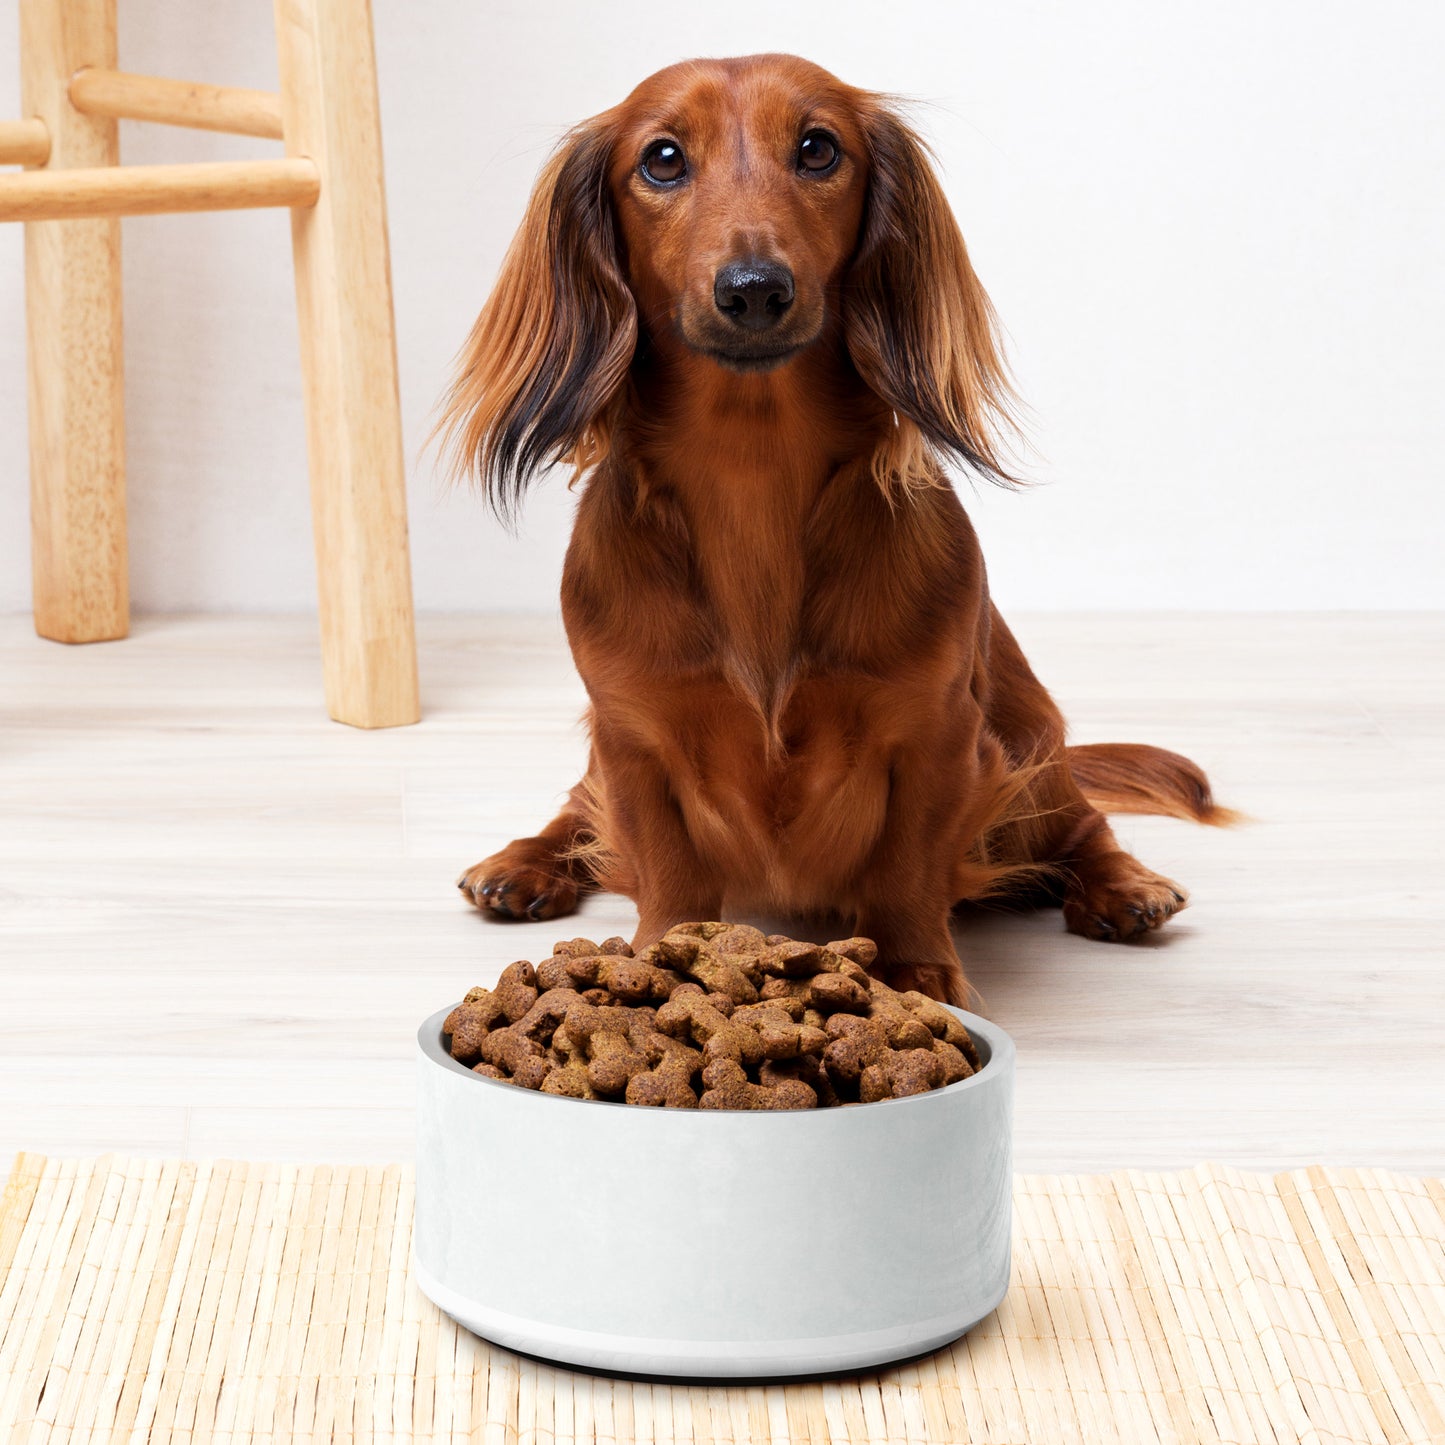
(1213, 230)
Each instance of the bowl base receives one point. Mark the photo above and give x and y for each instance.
(698, 1359)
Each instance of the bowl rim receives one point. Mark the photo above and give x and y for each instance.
(1000, 1045)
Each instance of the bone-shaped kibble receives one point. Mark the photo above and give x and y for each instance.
(471, 1021)
(726, 1086)
(832, 993)
(565, 1048)
(941, 1024)
(794, 1005)
(862, 951)
(738, 938)
(739, 943)
(541, 1021)
(955, 1063)
(689, 1016)
(630, 980)
(552, 972)
(779, 1010)
(904, 1030)
(570, 1081)
(797, 960)
(720, 1001)
(516, 989)
(840, 981)
(668, 1083)
(654, 1045)
(603, 1033)
(775, 989)
(522, 1058)
(807, 1069)
(575, 947)
(855, 1044)
(781, 1036)
(715, 972)
(900, 1073)
(705, 931)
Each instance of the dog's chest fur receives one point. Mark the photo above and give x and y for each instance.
(775, 658)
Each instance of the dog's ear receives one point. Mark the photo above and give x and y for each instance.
(548, 354)
(919, 325)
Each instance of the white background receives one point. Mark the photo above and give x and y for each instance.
(1213, 231)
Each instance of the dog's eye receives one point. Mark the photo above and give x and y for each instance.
(818, 152)
(664, 162)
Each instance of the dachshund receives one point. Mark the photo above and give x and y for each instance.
(740, 309)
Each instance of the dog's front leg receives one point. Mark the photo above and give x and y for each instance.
(915, 949)
(904, 901)
(672, 883)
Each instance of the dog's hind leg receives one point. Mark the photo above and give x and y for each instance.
(1106, 892)
(539, 877)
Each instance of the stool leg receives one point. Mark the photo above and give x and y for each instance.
(348, 359)
(72, 305)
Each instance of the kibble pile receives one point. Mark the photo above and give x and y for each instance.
(713, 1016)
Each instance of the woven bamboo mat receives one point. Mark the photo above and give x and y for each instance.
(151, 1300)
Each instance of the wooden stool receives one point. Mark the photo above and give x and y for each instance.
(331, 179)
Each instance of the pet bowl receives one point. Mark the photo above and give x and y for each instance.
(685, 1242)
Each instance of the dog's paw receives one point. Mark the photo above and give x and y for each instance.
(508, 886)
(1116, 899)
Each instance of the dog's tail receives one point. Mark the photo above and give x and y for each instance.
(1135, 778)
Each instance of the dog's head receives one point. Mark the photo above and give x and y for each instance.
(739, 189)
(730, 214)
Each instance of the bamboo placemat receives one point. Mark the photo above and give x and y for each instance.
(150, 1300)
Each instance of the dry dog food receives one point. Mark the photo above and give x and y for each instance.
(713, 1016)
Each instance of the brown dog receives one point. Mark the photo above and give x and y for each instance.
(740, 305)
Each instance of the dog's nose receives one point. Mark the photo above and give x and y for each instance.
(754, 294)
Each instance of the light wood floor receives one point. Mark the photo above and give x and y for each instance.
(222, 916)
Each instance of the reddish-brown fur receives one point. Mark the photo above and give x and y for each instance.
(802, 699)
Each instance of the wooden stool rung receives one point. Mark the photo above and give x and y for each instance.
(62, 195)
(24, 142)
(123, 96)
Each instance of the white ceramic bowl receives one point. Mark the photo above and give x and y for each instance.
(686, 1242)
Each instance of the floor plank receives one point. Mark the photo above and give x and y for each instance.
(222, 916)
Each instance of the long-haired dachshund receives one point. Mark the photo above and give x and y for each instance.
(740, 307)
